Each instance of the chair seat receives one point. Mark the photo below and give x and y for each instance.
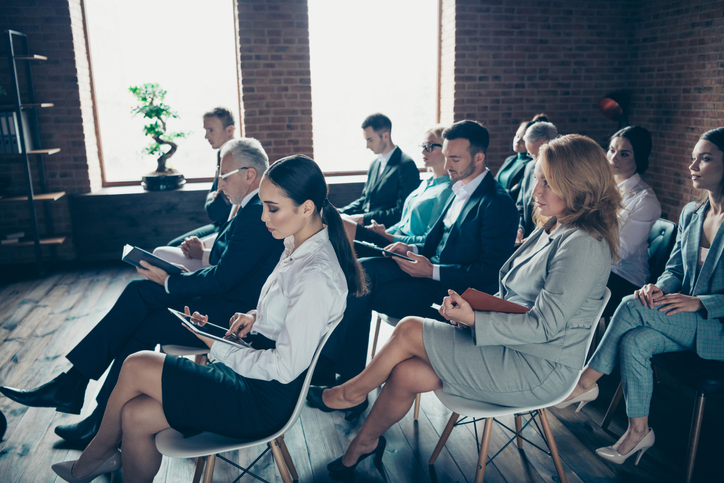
(393, 321)
(183, 350)
(479, 409)
(688, 368)
(172, 443)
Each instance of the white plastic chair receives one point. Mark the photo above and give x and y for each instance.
(170, 442)
(482, 410)
(393, 322)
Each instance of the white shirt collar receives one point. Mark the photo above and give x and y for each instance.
(386, 157)
(248, 197)
(629, 183)
(308, 246)
(466, 189)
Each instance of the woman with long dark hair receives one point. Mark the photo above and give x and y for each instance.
(248, 392)
(682, 311)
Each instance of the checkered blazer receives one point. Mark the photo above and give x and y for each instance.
(682, 274)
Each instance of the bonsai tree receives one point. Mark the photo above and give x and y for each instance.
(150, 103)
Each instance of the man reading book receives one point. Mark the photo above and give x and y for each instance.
(244, 255)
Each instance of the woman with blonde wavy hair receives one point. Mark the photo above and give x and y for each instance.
(559, 272)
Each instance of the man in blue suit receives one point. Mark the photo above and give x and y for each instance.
(466, 247)
(243, 256)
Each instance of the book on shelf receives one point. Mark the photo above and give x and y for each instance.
(18, 234)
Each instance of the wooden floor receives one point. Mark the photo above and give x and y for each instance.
(41, 320)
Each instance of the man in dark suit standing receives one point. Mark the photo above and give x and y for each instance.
(390, 180)
(243, 256)
(466, 247)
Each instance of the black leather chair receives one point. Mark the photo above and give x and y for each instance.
(661, 241)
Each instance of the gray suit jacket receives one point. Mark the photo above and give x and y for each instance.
(565, 281)
(682, 274)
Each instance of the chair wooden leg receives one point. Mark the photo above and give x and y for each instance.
(417, 406)
(518, 427)
(281, 464)
(199, 469)
(552, 446)
(288, 458)
(483, 456)
(612, 407)
(209, 473)
(377, 334)
(201, 359)
(444, 436)
(694, 435)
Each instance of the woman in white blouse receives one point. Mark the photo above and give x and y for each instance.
(628, 155)
(248, 392)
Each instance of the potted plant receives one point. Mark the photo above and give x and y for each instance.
(150, 103)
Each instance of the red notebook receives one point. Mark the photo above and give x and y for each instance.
(485, 302)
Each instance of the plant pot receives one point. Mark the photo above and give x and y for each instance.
(163, 181)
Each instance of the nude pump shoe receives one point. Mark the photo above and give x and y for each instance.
(65, 469)
(582, 399)
(610, 454)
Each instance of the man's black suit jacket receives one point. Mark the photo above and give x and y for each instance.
(480, 240)
(386, 195)
(243, 256)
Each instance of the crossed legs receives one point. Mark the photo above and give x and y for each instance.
(405, 368)
(134, 412)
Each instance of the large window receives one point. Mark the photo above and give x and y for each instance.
(371, 56)
(186, 46)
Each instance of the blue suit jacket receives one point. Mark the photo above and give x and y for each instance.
(682, 274)
(480, 240)
(386, 196)
(243, 256)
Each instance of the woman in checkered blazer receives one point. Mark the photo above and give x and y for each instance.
(682, 311)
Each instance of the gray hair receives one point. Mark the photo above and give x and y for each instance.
(247, 152)
(540, 130)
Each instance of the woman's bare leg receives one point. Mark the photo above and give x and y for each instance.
(586, 382)
(142, 417)
(141, 374)
(405, 343)
(408, 378)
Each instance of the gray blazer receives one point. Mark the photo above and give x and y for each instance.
(565, 279)
(682, 274)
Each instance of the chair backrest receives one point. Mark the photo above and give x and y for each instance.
(661, 241)
(307, 382)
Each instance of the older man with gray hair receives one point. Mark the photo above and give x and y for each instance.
(243, 256)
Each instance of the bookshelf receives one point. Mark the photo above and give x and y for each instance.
(21, 143)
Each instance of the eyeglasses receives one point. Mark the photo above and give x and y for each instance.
(226, 175)
(429, 147)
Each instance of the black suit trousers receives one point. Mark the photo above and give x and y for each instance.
(391, 292)
(138, 321)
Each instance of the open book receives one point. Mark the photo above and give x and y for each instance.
(134, 255)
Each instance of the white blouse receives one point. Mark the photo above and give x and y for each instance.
(305, 293)
(641, 209)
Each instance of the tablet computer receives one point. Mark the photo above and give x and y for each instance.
(210, 330)
(380, 249)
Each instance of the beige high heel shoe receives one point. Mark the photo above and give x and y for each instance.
(610, 454)
(582, 399)
(65, 469)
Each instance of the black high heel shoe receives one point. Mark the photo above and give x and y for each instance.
(340, 472)
(314, 398)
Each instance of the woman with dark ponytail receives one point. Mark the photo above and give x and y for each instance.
(248, 392)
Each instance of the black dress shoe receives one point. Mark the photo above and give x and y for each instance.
(314, 398)
(65, 396)
(82, 432)
(340, 472)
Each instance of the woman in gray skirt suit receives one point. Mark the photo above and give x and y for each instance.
(560, 272)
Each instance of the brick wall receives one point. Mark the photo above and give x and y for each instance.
(677, 80)
(52, 27)
(515, 59)
(275, 75)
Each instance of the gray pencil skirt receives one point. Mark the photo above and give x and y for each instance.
(494, 374)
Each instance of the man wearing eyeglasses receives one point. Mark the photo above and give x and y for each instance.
(243, 256)
(392, 176)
